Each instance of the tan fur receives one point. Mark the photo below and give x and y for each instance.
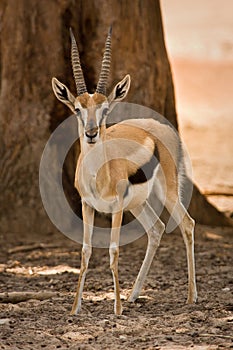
(88, 101)
(120, 168)
(126, 147)
(115, 170)
(107, 179)
(109, 159)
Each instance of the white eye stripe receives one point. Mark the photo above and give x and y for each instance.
(99, 113)
(84, 115)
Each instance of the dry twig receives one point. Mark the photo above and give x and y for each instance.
(18, 297)
(27, 248)
(216, 335)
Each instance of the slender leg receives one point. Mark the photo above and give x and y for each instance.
(154, 228)
(186, 224)
(114, 254)
(88, 221)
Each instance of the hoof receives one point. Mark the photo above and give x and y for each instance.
(132, 298)
(192, 299)
(75, 311)
(118, 310)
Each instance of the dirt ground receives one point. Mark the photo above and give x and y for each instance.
(159, 319)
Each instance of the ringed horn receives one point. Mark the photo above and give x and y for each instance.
(77, 69)
(101, 86)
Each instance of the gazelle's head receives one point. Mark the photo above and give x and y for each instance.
(91, 109)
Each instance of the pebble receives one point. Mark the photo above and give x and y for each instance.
(169, 338)
(4, 321)
(123, 337)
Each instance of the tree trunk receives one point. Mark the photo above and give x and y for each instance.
(34, 47)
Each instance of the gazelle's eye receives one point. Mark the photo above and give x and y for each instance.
(105, 112)
(77, 111)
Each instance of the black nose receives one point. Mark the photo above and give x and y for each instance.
(91, 133)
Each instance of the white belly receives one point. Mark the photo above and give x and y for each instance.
(134, 196)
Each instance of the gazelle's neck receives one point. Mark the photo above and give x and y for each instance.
(94, 156)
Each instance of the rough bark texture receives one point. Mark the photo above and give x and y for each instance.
(34, 46)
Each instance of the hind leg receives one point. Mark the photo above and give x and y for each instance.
(186, 224)
(154, 228)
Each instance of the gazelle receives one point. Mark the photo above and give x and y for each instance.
(117, 170)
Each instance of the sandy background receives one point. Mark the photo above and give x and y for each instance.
(199, 39)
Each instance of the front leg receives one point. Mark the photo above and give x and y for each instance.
(88, 221)
(114, 254)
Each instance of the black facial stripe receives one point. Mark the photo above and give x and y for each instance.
(81, 119)
(145, 173)
(105, 111)
(79, 115)
(101, 120)
(104, 114)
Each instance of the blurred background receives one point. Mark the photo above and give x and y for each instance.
(199, 40)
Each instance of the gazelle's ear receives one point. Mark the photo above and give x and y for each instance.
(63, 94)
(120, 90)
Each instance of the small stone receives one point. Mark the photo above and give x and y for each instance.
(104, 323)
(181, 330)
(195, 334)
(4, 321)
(169, 337)
(123, 337)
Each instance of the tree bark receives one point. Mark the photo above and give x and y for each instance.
(34, 47)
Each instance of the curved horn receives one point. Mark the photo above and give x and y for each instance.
(77, 70)
(101, 86)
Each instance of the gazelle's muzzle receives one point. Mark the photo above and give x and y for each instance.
(92, 134)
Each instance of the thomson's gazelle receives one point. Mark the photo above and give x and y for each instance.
(118, 168)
